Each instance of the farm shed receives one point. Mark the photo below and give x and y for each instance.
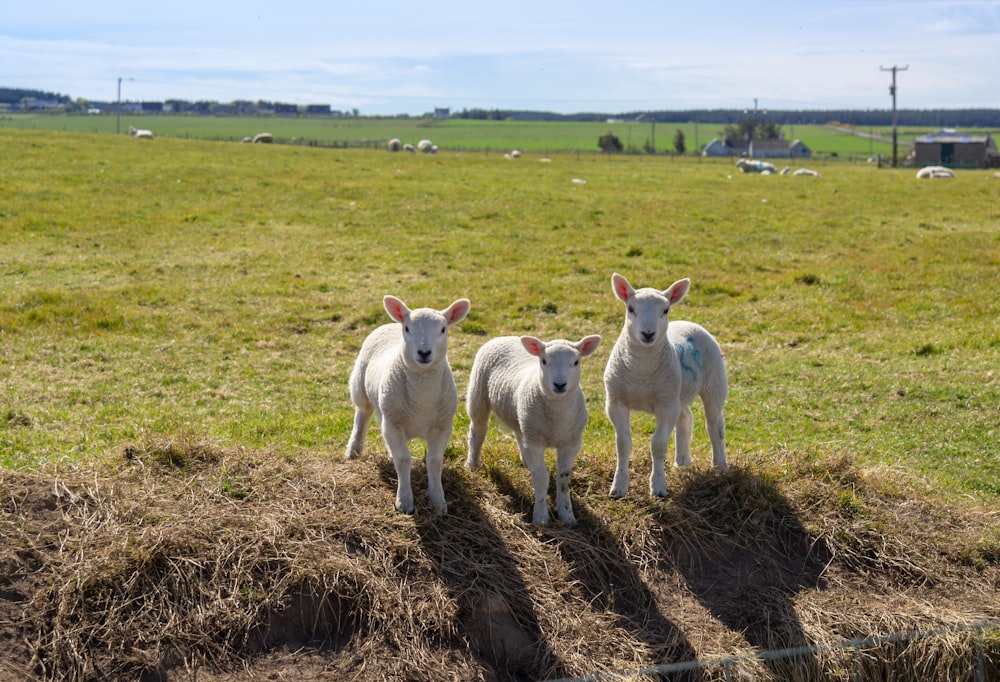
(779, 149)
(726, 147)
(949, 147)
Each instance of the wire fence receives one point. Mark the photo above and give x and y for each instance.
(731, 666)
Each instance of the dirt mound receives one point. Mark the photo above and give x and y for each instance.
(183, 561)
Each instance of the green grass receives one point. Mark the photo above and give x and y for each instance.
(177, 287)
(450, 134)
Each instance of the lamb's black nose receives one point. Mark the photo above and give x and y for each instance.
(559, 388)
(648, 336)
(424, 355)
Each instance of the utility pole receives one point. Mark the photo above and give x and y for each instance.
(892, 91)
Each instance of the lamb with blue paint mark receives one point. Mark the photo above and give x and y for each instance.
(533, 387)
(402, 376)
(658, 366)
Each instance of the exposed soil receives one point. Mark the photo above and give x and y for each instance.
(182, 561)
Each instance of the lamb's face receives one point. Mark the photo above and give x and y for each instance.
(647, 310)
(559, 362)
(647, 316)
(425, 330)
(425, 338)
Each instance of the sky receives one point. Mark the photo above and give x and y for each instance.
(384, 57)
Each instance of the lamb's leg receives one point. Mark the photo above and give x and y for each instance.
(533, 457)
(716, 425)
(436, 444)
(565, 457)
(666, 420)
(399, 449)
(619, 416)
(479, 423)
(682, 441)
(362, 416)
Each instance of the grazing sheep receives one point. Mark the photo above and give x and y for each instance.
(140, 134)
(659, 367)
(534, 388)
(402, 376)
(263, 138)
(409, 148)
(935, 172)
(395, 145)
(806, 172)
(427, 147)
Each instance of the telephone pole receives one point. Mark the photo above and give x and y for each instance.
(892, 91)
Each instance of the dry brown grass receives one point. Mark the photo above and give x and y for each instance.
(182, 560)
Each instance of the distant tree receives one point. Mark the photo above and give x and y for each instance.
(751, 129)
(609, 143)
(680, 145)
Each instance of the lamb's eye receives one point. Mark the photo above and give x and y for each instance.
(665, 311)
(576, 363)
(544, 361)
(631, 310)
(444, 329)
(406, 329)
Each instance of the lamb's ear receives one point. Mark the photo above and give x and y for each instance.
(677, 291)
(457, 311)
(534, 346)
(397, 309)
(623, 290)
(588, 345)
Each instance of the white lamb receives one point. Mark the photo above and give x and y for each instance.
(140, 133)
(935, 172)
(659, 367)
(427, 147)
(395, 145)
(533, 387)
(402, 376)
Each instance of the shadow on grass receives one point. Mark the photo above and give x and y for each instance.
(470, 557)
(611, 582)
(745, 555)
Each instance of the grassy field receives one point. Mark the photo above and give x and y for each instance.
(450, 134)
(156, 288)
(178, 320)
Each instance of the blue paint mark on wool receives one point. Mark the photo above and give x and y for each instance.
(690, 358)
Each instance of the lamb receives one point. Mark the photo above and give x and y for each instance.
(140, 133)
(263, 138)
(807, 172)
(533, 387)
(402, 376)
(395, 145)
(427, 147)
(409, 148)
(659, 367)
(935, 172)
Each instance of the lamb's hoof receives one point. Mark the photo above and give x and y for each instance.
(616, 494)
(404, 508)
(662, 494)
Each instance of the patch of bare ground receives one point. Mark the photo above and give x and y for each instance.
(184, 561)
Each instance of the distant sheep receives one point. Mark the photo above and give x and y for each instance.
(140, 133)
(659, 367)
(806, 172)
(935, 172)
(533, 387)
(402, 376)
(395, 145)
(409, 148)
(751, 166)
(427, 147)
(263, 138)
